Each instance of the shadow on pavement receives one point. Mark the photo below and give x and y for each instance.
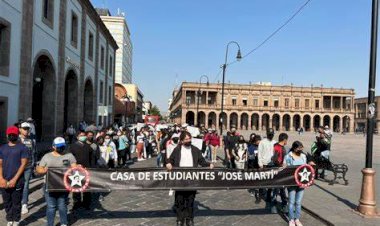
(345, 201)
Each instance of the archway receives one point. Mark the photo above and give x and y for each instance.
(296, 122)
(234, 120)
(307, 122)
(71, 100)
(201, 118)
(211, 122)
(326, 121)
(336, 123)
(223, 122)
(265, 122)
(346, 124)
(244, 121)
(190, 117)
(88, 103)
(316, 122)
(286, 122)
(43, 100)
(276, 122)
(255, 121)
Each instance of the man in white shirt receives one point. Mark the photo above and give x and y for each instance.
(265, 150)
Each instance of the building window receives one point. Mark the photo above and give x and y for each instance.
(74, 30)
(275, 103)
(109, 95)
(5, 46)
(234, 101)
(3, 118)
(297, 103)
(307, 103)
(110, 66)
(102, 58)
(316, 104)
(101, 92)
(287, 103)
(48, 12)
(255, 102)
(266, 103)
(245, 102)
(90, 46)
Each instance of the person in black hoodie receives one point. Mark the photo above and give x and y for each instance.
(186, 155)
(83, 153)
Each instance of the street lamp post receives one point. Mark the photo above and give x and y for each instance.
(199, 93)
(224, 66)
(367, 202)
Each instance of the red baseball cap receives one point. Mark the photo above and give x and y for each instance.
(12, 130)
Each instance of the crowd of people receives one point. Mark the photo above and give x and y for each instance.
(173, 146)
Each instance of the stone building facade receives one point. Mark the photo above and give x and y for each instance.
(60, 57)
(361, 113)
(258, 107)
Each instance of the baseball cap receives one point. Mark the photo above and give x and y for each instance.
(326, 127)
(25, 125)
(29, 119)
(59, 142)
(185, 125)
(12, 130)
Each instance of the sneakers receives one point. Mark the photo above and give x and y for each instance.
(298, 223)
(10, 223)
(24, 209)
(16, 223)
(292, 223)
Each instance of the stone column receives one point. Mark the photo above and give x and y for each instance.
(341, 104)
(270, 124)
(249, 122)
(259, 122)
(280, 124)
(228, 121)
(206, 98)
(341, 126)
(331, 103)
(291, 128)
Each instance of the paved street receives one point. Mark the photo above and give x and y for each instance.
(235, 207)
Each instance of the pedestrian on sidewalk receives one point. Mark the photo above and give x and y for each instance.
(252, 163)
(265, 154)
(231, 141)
(70, 131)
(28, 142)
(140, 145)
(94, 146)
(186, 155)
(278, 161)
(13, 160)
(83, 154)
(111, 150)
(240, 153)
(212, 140)
(295, 158)
(56, 200)
(122, 148)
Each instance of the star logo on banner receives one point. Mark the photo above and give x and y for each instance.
(305, 174)
(76, 179)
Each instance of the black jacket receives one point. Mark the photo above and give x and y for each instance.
(83, 153)
(198, 159)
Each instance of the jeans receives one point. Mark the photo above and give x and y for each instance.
(25, 194)
(159, 159)
(54, 201)
(295, 201)
(12, 202)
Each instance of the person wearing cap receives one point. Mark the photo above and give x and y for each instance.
(32, 130)
(14, 158)
(59, 157)
(25, 139)
(265, 154)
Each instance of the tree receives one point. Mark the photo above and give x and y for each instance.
(155, 111)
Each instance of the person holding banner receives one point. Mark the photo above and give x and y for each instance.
(295, 157)
(56, 200)
(186, 155)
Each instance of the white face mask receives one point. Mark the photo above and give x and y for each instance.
(107, 141)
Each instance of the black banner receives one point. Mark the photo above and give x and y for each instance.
(78, 179)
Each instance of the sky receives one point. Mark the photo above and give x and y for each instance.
(176, 40)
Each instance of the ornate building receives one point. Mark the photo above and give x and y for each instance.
(258, 107)
(57, 65)
(361, 112)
